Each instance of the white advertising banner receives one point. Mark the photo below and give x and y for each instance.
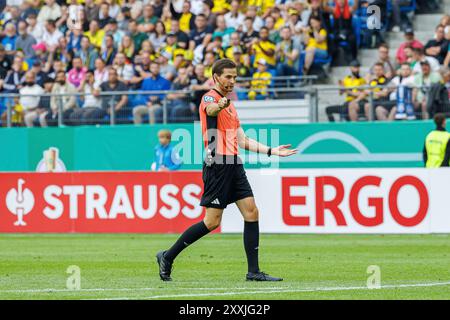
(348, 201)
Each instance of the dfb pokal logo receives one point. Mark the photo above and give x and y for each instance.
(20, 202)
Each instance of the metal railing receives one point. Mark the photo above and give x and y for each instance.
(139, 99)
(311, 94)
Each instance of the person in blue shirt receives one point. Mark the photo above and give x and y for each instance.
(166, 157)
(154, 101)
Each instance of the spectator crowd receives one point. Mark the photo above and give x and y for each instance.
(78, 50)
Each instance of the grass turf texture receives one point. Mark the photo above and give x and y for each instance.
(314, 267)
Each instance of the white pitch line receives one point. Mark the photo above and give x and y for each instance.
(123, 289)
(283, 291)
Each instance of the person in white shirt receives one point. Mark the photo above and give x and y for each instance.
(234, 18)
(418, 55)
(51, 11)
(100, 73)
(30, 104)
(51, 35)
(125, 72)
(35, 28)
(388, 111)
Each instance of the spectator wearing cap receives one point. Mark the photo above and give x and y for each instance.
(50, 11)
(297, 20)
(158, 37)
(125, 19)
(40, 75)
(234, 18)
(186, 17)
(25, 41)
(30, 97)
(315, 39)
(153, 101)
(95, 34)
(354, 79)
(40, 52)
(438, 46)
(417, 56)
(87, 53)
(35, 28)
(426, 78)
(260, 82)
(263, 48)
(146, 22)
(288, 53)
(77, 74)
(181, 37)
(109, 51)
(9, 40)
(400, 56)
(167, 70)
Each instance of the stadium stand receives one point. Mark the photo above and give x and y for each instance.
(172, 44)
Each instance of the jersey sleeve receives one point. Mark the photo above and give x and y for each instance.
(207, 99)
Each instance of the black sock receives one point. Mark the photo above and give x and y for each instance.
(251, 244)
(192, 234)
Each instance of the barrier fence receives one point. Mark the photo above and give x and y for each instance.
(291, 201)
(181, 106)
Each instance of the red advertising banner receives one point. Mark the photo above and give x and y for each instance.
(100, 202)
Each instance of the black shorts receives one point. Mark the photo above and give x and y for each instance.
(224, 184)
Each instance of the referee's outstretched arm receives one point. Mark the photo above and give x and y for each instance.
(253, 145)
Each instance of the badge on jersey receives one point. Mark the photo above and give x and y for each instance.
(208, 99)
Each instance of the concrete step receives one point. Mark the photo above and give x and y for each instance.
(422, 36)
(427, 21)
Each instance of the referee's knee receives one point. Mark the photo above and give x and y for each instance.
(252, 214)
(212, 222)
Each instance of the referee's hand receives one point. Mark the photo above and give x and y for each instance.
(223, 103)
(283, 151)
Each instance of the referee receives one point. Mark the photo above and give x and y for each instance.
(224, 177)
(436, 151)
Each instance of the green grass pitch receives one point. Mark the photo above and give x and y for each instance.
(123, 266)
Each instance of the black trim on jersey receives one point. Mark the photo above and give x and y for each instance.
(211, 131)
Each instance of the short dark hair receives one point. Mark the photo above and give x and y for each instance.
(439, 119)
(384, 45)
(380, 64)
(222, 64)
